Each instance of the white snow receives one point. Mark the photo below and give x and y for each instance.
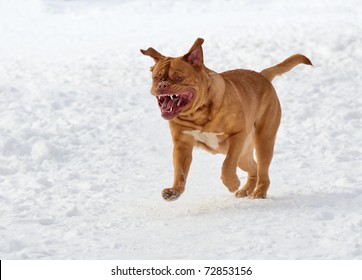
(84, 153)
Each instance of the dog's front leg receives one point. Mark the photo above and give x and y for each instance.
(228, 175)
(182, 157)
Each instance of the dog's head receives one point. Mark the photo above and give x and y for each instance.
(180, 84)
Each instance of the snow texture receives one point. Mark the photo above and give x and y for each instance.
(84, 153)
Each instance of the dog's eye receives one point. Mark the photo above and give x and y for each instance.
(178, 79)
(155, 79)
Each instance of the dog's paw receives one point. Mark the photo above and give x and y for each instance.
(241, 193)
(258, 193)
(170, 194)
(247, 190)
(232, 182)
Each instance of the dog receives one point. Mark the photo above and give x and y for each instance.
(232, 113)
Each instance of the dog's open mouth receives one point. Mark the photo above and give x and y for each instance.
(172, 104)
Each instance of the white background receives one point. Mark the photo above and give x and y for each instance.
(261, 270)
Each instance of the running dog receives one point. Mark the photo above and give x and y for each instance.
(232, 113)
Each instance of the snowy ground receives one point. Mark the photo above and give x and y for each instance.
(84, 153)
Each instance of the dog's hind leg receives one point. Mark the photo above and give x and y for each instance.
(266, 128)
(228, 175)
(248, 164)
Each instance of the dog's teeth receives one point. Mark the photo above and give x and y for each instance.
(171, 97)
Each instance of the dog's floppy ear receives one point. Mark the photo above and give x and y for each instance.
(152, 53)
(195, 55)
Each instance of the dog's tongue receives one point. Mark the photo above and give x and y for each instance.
(164, 105)
(169, 104)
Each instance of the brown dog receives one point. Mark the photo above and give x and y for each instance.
(232, 113)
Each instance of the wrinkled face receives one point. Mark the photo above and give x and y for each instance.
(174, 84)
(177, 82)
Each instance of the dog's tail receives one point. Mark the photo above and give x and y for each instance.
(285, 66)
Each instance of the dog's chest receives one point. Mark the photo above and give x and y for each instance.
(208, 138)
